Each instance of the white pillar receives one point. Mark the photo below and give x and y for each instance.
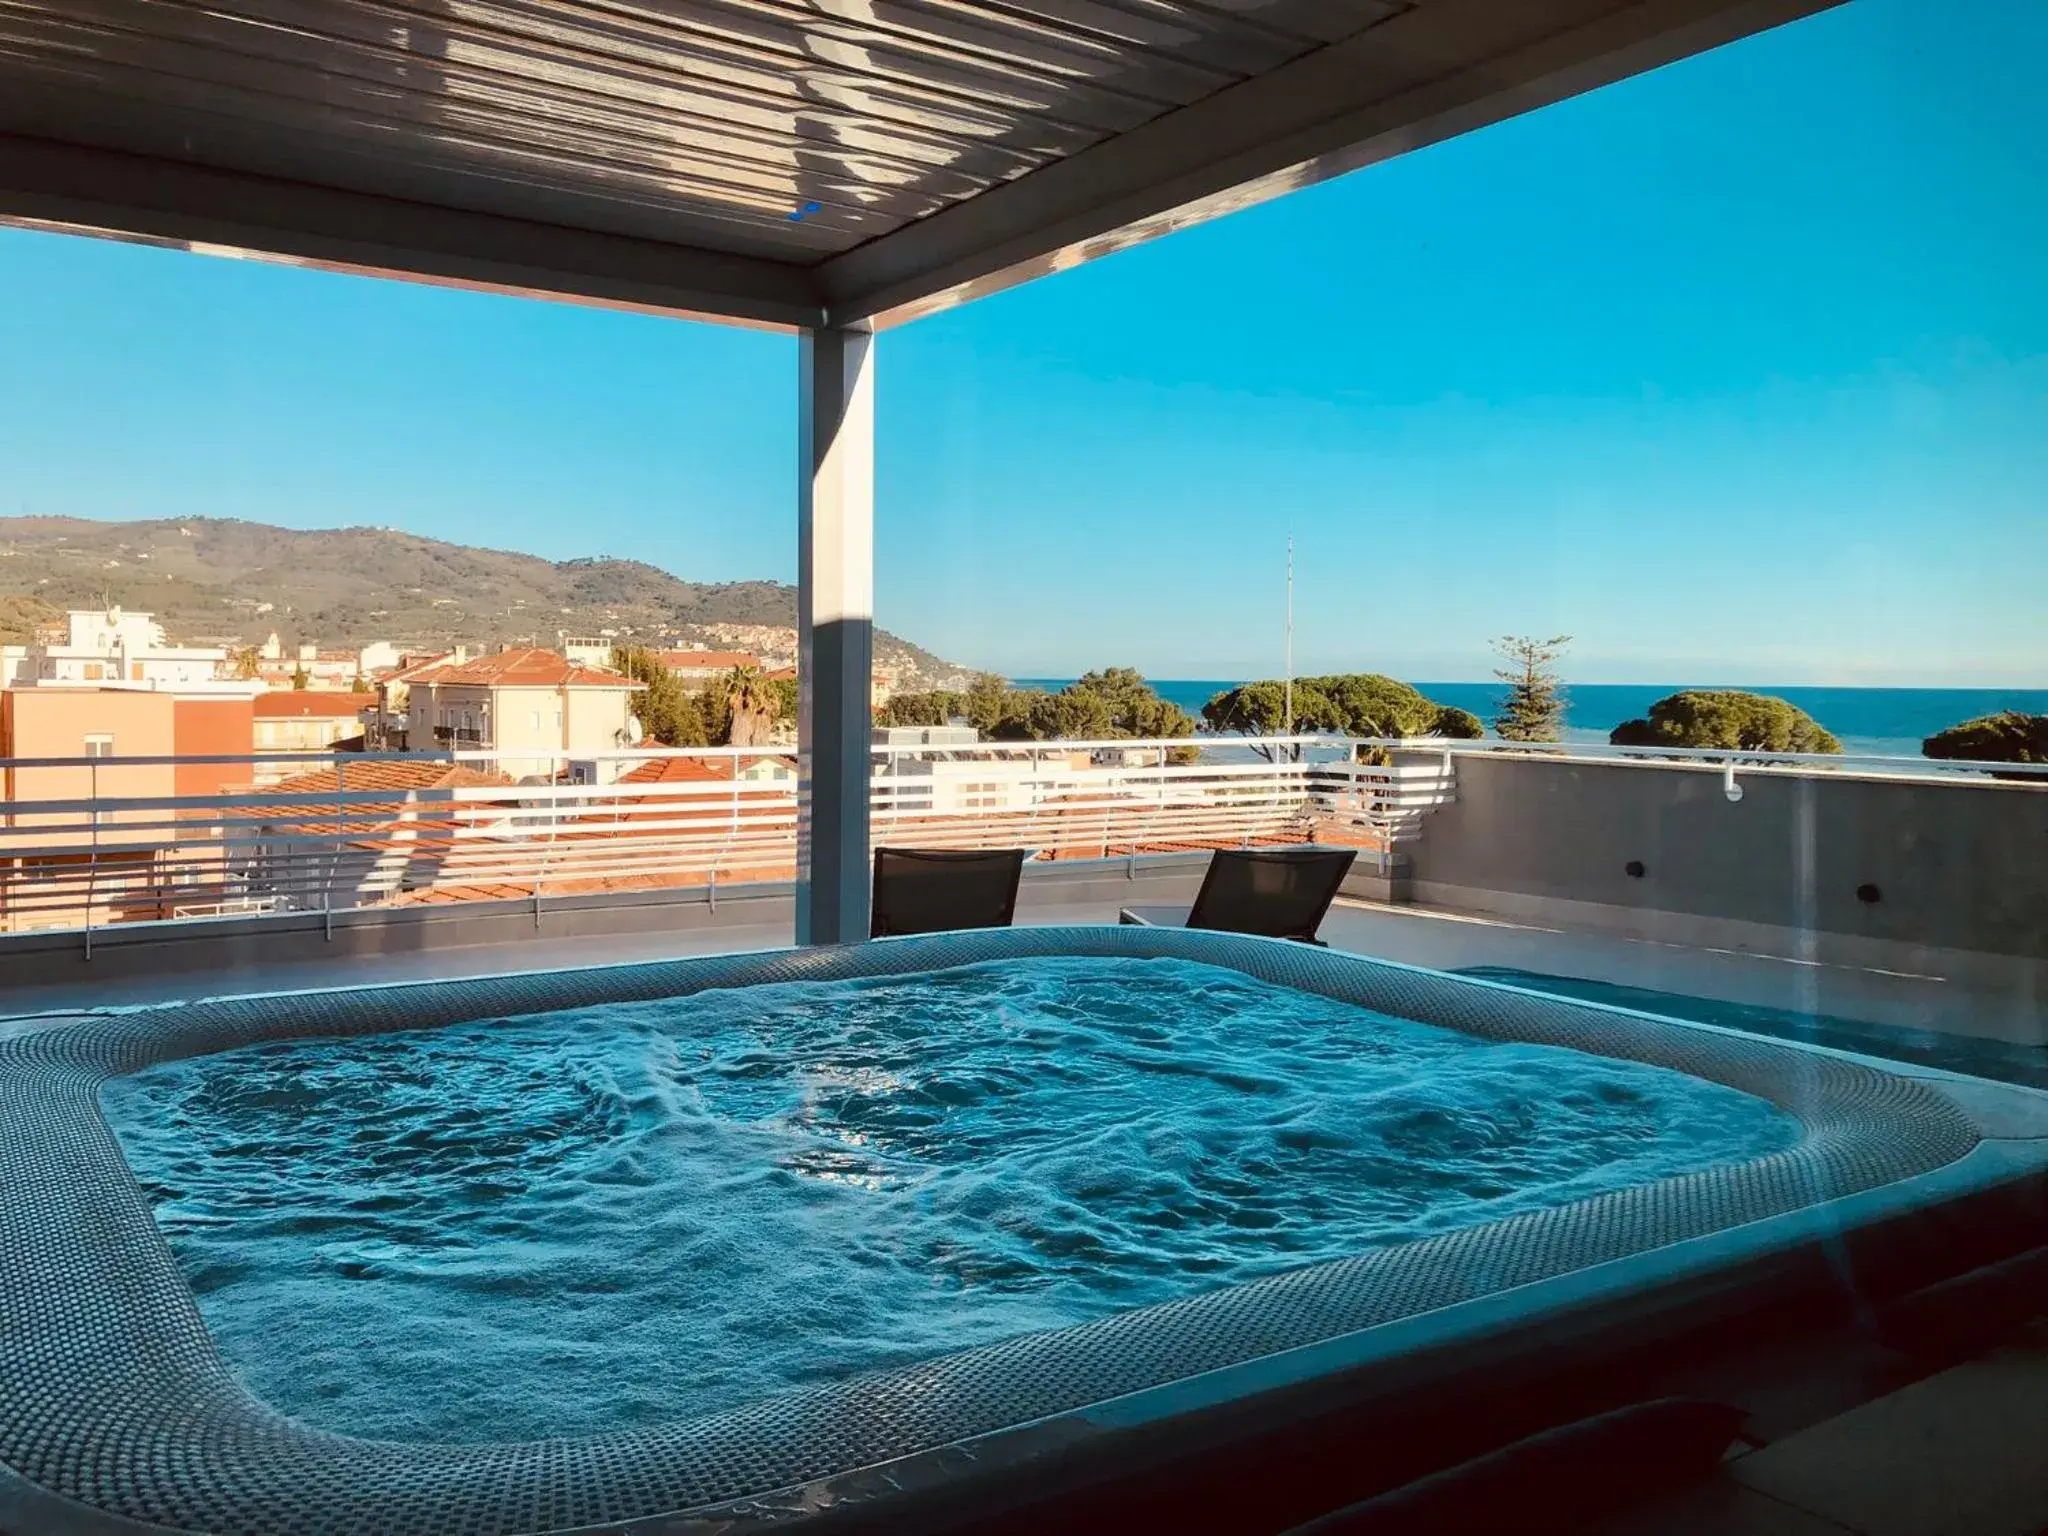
(835, 633)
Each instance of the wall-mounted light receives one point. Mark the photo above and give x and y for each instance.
(1634, 869)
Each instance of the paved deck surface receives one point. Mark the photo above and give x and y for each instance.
(1962, 1453)
(540, 953)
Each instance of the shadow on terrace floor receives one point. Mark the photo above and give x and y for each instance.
(537, 953)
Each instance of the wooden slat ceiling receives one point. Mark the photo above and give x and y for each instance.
(784, 128)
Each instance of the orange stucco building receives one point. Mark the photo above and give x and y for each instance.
(65, 865)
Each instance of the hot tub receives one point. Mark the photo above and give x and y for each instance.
(120, 1409)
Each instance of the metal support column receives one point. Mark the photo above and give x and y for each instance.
(835, 633)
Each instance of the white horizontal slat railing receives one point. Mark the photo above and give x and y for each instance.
(89, 842)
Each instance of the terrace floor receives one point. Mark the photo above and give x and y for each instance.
(1762, 992)
(537, 953)
(1956, 1453)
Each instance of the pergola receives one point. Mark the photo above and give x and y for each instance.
(830, 167)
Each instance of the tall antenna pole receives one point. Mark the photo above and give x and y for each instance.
(1290, 634)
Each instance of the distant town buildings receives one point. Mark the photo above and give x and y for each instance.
(308, 666)
(698, 669)
(111, 648)
(393, 832)
(133, 823)
(926, 736)
(767, 648)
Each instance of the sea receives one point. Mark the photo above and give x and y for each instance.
(1885, 722)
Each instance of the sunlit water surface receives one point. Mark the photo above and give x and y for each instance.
(589, 1220)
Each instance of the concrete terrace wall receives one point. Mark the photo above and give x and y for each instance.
(1961, 868)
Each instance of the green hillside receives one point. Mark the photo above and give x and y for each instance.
(220, 581)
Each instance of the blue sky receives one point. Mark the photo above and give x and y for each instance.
(1736, 372)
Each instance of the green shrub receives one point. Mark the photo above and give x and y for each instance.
(1352, 703)
(1459, 724)
(1725, 720)
(1113, 702)
(2007, 737)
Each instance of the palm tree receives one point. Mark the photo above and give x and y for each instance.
(751, 702)
(246, 661)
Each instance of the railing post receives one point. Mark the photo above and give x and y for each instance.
(92, 876)
(334, 855)
(835, 632)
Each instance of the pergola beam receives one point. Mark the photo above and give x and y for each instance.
(168, 202)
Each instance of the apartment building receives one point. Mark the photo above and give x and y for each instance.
(131, 857)
(537, 709)
(306, 720)
(112, 648)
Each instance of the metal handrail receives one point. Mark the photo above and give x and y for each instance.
(1748, 758)
(160, 856)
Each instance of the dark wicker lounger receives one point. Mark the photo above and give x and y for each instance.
(1275, 893)
(937, 890)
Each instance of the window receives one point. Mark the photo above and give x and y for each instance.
(99, 745)
(533, 721)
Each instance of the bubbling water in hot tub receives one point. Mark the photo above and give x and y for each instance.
(617, 1216)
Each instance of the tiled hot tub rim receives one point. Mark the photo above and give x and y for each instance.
(118, 1400)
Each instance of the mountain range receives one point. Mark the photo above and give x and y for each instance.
(219, 581)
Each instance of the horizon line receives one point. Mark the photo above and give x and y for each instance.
(1568, 684)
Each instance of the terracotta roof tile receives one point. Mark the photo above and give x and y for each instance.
(353, 775)
(678, 770)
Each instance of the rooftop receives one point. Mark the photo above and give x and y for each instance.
(528, 667)
(306, 703)
(383, 773)
(678, 770)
